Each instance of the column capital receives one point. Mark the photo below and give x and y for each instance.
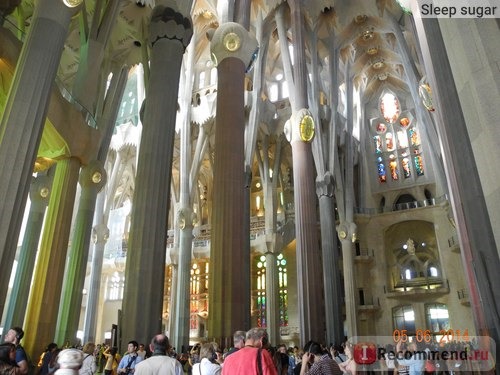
(40, 189)
(186, 218)
(300, 127)
(167, 22)
(233, 40)
(347, 230)
(93, 175)
(324, 185)
(100, 234)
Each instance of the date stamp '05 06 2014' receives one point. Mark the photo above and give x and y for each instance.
(425, 335)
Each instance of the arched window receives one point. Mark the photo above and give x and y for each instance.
(260, 292)
(433, 271)
(396, 144)
(115, 286)
(403, 317)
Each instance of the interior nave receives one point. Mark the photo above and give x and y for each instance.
(324, 169)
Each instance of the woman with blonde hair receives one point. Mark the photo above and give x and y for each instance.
(89, 365)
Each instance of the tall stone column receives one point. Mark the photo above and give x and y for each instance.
(477, 243)
(233, 47)
(185, 214)
(169, 35)
(347, 228)
(300, 133)
(331, 266)
(272, 298)
(92, 180)
(39, 195)
(21, 129)
(44, 300)
(185, 220)
(309, 268)
(346, 231)
(100, 235)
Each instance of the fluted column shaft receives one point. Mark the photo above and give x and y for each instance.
(331, 266)
(229, 303)
(92, 179)
(145, 268)
(39, 194)
(349, 285)
(227, 309)
(44, 300)
(185, 214)
(272, 299)
(348, 224)
(182, 304)
(101, 233)
(21, 129)
(309, 276)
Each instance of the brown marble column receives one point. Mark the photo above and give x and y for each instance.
(309, 274)
(229, 311)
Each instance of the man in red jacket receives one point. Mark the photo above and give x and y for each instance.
(253, 358)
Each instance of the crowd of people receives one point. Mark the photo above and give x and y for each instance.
(251, 353)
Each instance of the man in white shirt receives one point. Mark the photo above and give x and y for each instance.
(159, 363)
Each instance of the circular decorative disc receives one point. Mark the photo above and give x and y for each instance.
(232, 42)
(306, 128)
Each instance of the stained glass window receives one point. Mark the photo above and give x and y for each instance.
(389, 141)
(415, 139)
(382, 173)
(405, 165)
(378, 144)
(393, 166)
(402, 139)
(381, 128)
(260, 293)
(396, 143)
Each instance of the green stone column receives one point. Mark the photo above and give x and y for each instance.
(44, 300)
(92, 180)
(39, 195)
(21, 129)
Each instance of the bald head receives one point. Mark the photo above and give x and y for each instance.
(160, 344)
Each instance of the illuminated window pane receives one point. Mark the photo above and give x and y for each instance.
(438, 318)
(389, 108)
(259, 294)
(404, 318)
